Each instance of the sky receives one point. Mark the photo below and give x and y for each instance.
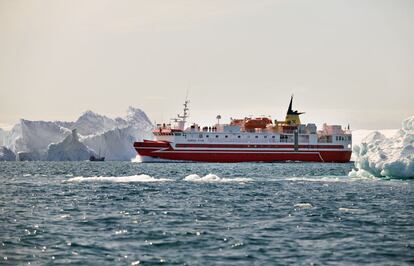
(346, 62)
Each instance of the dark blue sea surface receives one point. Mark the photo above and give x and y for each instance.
(106, 213)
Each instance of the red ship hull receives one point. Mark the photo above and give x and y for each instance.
(241, 153)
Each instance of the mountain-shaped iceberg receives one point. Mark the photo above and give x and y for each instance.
(70, 149)
(6, 154)
(113, 138)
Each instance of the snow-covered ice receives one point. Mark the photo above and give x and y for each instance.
(70, 149)
(6, 154)
(113, 138)
(382, 156)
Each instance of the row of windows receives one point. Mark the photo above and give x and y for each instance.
(340, 138)
(226, 136)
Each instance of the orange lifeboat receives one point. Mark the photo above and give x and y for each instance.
(237, 122)
(260, 122)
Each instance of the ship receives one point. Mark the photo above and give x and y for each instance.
(250, 139)
(92, 158)
(97, 158)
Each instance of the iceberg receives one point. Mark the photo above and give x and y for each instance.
(92, 123)
(117, 144)
(70, 149)
(381, 156)
(31, 140)
(3, 134)
(6, 154)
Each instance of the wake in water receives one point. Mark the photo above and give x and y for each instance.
(325, 179)
(117, 179)
(211, 178)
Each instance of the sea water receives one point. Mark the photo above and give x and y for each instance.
(106, 213)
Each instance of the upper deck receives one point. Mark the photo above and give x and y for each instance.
(256, 131)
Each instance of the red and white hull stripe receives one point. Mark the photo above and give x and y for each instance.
(228, 153)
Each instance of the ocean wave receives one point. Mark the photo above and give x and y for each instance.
(117, 179)
(326, 179)
(211, 178)
(303, 205)
(349, 210)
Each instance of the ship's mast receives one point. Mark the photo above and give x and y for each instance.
(182, 119)
(185, 115)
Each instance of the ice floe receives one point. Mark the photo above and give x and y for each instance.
(382, 156)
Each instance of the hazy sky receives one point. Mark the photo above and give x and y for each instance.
(348, 61)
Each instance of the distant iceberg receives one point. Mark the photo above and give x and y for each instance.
(70, 149)
(6, 154)
(112, 138)
(382, 156)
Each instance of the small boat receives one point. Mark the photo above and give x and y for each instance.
(96, 159)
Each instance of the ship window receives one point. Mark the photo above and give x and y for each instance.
(257, 137)
(207, 136)
(200, 136)
(273, 137)
(226, 136)
(216, 136)
(238, 136)
(265, 137)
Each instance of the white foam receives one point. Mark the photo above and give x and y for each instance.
(325, 179)
(148, 159)
(211, 178)
(117, 179)
(303, 205)
(349, 210)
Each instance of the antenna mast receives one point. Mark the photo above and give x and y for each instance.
(183, 118)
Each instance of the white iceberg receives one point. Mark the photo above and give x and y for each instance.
(382, 156)
(70, 149)
(90, 123)
(3, 134)
(117, 144)
(114, 138)
(6, 154)
(30, 139)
